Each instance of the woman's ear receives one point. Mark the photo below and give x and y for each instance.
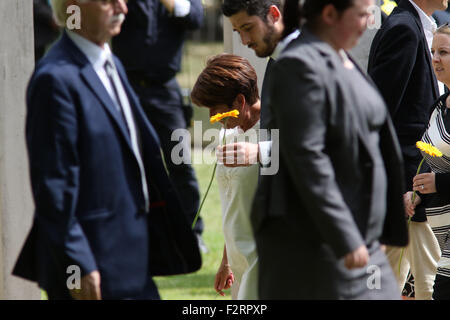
(329, 14)
(239, 102)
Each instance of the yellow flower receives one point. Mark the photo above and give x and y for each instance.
(429, 149)
(220, 116)
(388, 6)
(214, 119)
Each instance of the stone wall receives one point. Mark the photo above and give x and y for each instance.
(16, 206)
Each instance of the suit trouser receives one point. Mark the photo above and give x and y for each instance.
(150, 292)
(421, 256)
(163, 107)
(291, 269)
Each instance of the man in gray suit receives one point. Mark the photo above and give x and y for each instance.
(319, 221)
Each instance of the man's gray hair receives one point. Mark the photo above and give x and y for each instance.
(59, 8)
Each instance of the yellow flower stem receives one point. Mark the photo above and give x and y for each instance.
(206, 194)
(409, 219)
(210, 181)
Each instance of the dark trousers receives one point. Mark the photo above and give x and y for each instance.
(441, 288)
(310, 270)
(150, 292)
(163, 106)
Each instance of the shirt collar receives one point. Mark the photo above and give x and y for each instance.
(428, 22)
(96, 55)
(283, 43)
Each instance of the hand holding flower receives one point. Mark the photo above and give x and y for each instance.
(433, 152)
(409, 205)
(425, 183)
(214, 119)
(240, 154)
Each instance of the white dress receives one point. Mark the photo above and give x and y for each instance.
(237, 188)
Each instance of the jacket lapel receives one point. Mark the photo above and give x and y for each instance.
(140, 117)
(99, 90)
(94, 83)
(406, 5)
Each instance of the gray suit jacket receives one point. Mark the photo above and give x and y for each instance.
(323, 191)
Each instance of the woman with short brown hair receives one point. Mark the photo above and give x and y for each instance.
(229, 82)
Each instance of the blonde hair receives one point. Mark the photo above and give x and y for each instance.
(59, 8)
(444, 29)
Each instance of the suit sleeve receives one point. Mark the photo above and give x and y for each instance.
(391, 63)
(442, 181)
(52, 131)
(298, 102)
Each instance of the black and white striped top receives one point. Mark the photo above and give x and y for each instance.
(438, 210)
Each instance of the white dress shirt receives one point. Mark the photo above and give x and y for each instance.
(429, 27)
(97, 56)
(181, 8)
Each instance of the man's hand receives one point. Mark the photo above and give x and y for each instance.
(357, 259)
(241, 154)
(90, 288)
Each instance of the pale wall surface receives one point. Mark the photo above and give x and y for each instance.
(361, 52)
(16, 207)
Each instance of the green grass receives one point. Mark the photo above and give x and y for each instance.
(200, 285)
(195, 55)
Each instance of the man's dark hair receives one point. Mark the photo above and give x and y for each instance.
(258, 8)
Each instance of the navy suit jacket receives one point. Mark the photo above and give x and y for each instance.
(150, 44)
(400, 66)
(87, 188)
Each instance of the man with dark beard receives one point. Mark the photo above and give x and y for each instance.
(261, 26)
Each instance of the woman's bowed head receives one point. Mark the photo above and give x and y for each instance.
(228, 88)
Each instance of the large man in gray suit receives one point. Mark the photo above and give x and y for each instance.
(319, 221)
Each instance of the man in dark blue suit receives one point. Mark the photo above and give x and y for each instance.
(150, 47)
(104, 203)
(400, 65)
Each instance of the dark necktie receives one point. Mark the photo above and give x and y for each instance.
(125, 110)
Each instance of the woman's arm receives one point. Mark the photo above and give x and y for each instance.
(224, 276)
